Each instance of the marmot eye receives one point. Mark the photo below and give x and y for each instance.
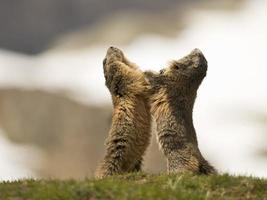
(176, 67)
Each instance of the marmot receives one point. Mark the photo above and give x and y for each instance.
(173, 93)
(129, 134)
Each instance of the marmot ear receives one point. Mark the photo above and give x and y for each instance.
(150, 76)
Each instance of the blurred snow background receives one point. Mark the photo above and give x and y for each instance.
(230, 114)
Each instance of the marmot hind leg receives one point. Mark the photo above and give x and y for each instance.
(137, 167)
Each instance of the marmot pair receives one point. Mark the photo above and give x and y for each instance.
(169, 97)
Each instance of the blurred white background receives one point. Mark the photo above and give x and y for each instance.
(230, 114)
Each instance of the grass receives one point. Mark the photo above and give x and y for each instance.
(139, 186)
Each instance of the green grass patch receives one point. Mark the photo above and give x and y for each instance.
(139, 186)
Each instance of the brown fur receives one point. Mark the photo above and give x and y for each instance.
(129, 134)
(173, 93)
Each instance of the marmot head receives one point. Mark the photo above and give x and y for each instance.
(181, 76)
(113, 54)
(123, 78)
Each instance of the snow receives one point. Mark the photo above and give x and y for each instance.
(15, 160)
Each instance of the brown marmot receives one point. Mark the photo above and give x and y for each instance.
(173, 93)
(129, 134)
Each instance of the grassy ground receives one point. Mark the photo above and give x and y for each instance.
(139, 186)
